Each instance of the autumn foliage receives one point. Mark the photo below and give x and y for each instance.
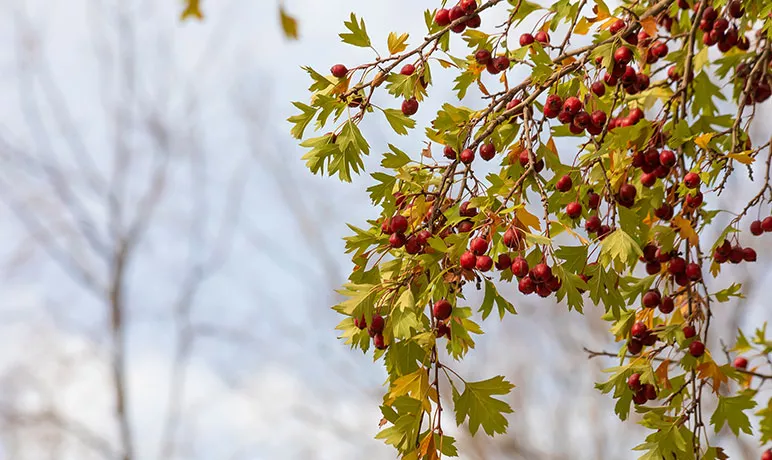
(615, 221)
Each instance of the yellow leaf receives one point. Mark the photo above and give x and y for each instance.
(710, 370)
(192, 10)
(602, 10)
(743, 157)
(397, 43)
(661, 374)
(288, 24)
(571, 231)
(427, 449)
(527, 219)
(551, 145)
(482, 87)
(568, 60)
(715, 268)
(582, 26)
(446, 64)
(685, 230)
(415, 385)
(650, 26)
(704, 139)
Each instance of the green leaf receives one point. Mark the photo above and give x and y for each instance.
(483, 410)
(620, 246)
(492, 295)
(358, 35)
(463, 81)
(396, 159)
(289, 24)
(575, 257)
(399, 122)
(730, 410)
(735, 290)
(302, 119)
(765, 424)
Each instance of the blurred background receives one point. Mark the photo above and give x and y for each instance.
(167, 262)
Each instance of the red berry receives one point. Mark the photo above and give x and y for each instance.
(667, 158)
(501, 63)
(572, 105)
(377, 324)
(442, 309)
(449, 153)
(467, 156)
(627, 192)
(694, 201)
(565, 117)
(623, 55)
(423, 236)
(650, 391)
(617, 26)
(666, 305)
(640, 395)
(553, 283)
(398, 224)
(672, 73)
(443, 330)
(526, 39)
(659, 49)
(598, 88)
(564, 184)
(648, 179)
(541, 273)
(735, 9)
(484, 263)
(766, 224)
(740, 362)
(652, 268)
(697, 348)
(503, 262)
(469, 6)
(677, 265)
(410, 106)
(468, 260)
(442, 17)
(593, 224)
(756, 228)
(413, 245)
(487, 152)
(598, 118)
(361, 322)
(456, 12)
(397, 240)
(542, 37)
(482, 56)
(692, 180)
(574, 210)
(465, 211)
(634, 382)
(339, 71)
(638, 330)
(767, 455)
(519, 267)
(543, 290)
(634, 346)
(693, 272)
(511, 238)
(689, 331)
(526, 286)
(408, 69)
(478, 245)
(651, 299)
(465, 226)
(664, 212)
(749, 255)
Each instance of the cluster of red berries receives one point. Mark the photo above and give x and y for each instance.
(475, 257)
(541, 36)
(494, 64)
(525, 158)
(538, 279)
(654, 164)
(443, 17)
(717, 29)
(571, 112)
(734, 254)
(487, 152)
(640, 336)
(441, 311)
(761, 88)
(642, 392)
(696, 347)
(396, 228)
(573, 209)
(761, 226)
(683, 273)
(375, 330)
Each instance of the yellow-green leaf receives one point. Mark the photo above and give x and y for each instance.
(582, 26)
(704, 139)
(288, 24)
(192, 10)
(743, 157)
(397, 43)
(685, 230)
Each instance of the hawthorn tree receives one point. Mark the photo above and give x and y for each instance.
(621, 221)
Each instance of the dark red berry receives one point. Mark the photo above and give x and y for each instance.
(593, 200)
(484, 263)
(574, 210)
(542, 37)
(652, 268)
(467, 156)
(749, 255)
(740, 362)
(666, 305)
(339, 71)
(638, 330)
(564, 184)
(487, 152)
(478, 245)
(541, 273)
(634, 346)
(503, 262)
(410, 106)
(526, 39)
(689, 331)
(593, 224)
(623, 55)
(520, 267)
(483, 57)
(651, 298)
(692, 180)
(598, 88)
(634, 382)
(697, 348)
(526, 285)
(693, 272)
(442, 17)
